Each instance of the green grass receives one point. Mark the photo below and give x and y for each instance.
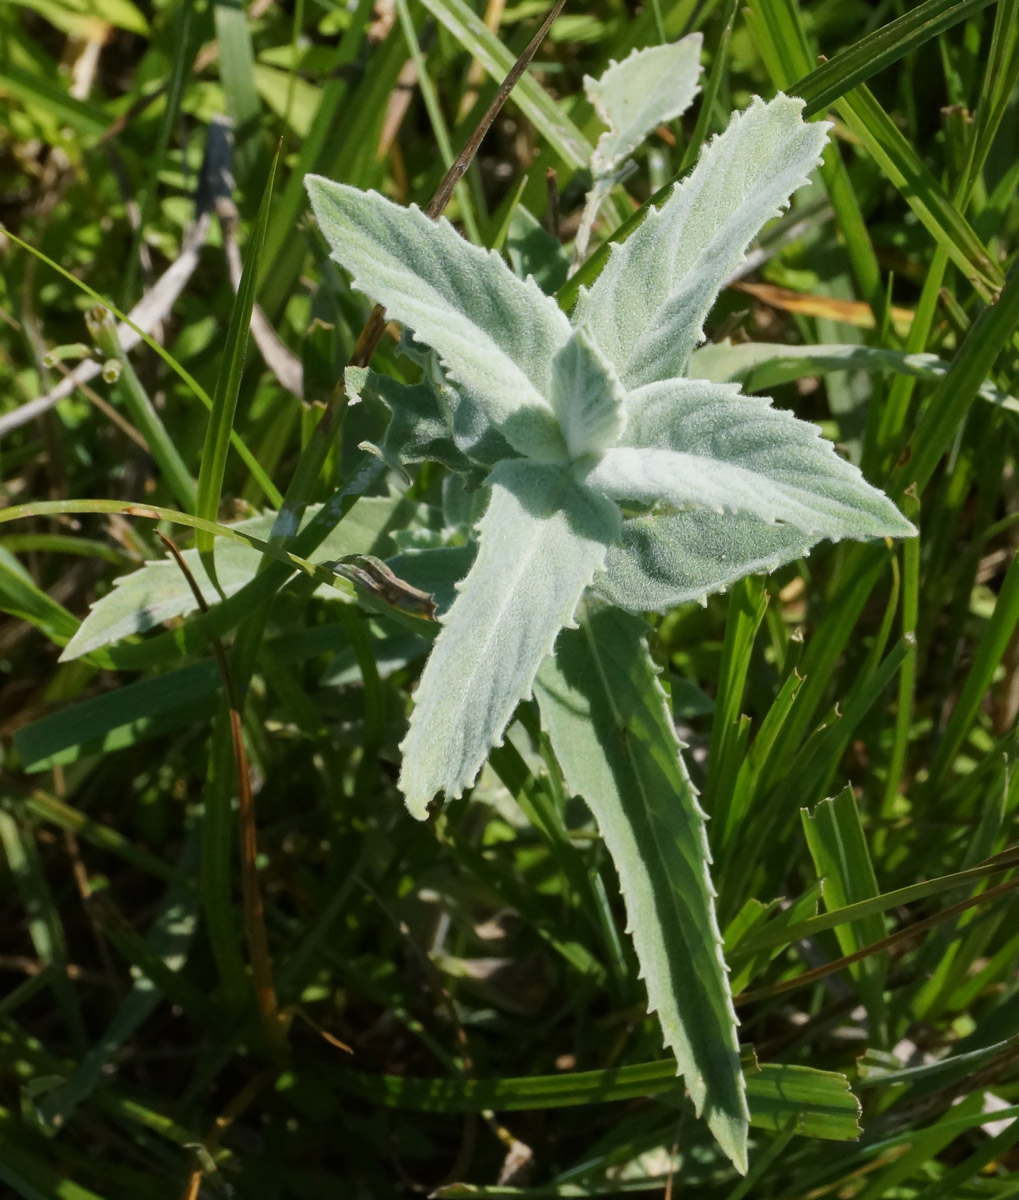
(461, 993)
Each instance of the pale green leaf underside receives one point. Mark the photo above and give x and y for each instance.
(693, 444)
(768, 364)
(541, 542)
(612, 732)
(635, 96)
(665, 560)
(158, 591)
(496, 334)
(647, 307)
(587, 396)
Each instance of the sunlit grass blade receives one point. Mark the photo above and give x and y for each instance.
(819, 1102)
(904, 168)
(880, 48)
(719, 67)
(472, 33)
(951, 399)
(786, 935)
(284, 248)
(747, 604)
(438, 121)
(32, 89)
(228, 382)
(142, 411)
(785, 47)
(838, 846)
(22, 598)
(987, 657)
(183, 49)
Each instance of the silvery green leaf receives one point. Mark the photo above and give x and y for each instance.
(158, 591)
(586, 396)
(766, 364)
(541, 542)
(647, 307)
(497, 335)
(665, 559)
(612, 731)
(532, 250)
(690, 444)
(462, 507)
(477, 438)
(635, 96)
(421, 428)
(473, 434)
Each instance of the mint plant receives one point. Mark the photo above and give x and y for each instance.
(615, 482)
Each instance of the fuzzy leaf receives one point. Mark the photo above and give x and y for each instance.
(647, 307)
(420, 428)
(158, 592)
(636, 95)
(532, 250)
(586, 396)
(541, 542)
(693, 444)
(669, 559)
(497, 335)
(767, 364)
(612, 732)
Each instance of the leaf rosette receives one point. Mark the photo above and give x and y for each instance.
(650, 488)
(611, 473)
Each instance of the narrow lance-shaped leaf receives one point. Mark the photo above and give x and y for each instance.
(496, 334)
(612, 732)
(647, 307)
(159, 591)
(632, 97)
(541, 542)
(636, 95)
(694, 444)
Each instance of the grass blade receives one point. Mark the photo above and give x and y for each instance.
(228, 383)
